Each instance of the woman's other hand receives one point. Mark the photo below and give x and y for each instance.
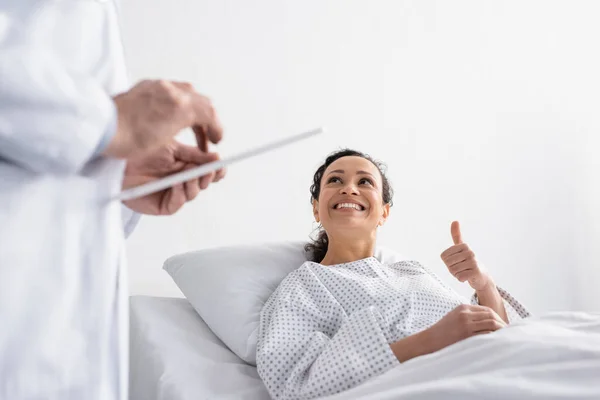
(461, 323)
(461, 261)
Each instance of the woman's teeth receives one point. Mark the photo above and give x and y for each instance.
(349, 205)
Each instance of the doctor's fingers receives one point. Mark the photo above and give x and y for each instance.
(205, 122)
(206, 118)
(193, 187)
(201, 138)
(174, 199)
(199, 130)
(220, 174)
(193, 155)
(206, 180)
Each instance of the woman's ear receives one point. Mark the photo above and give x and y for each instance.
(385, 214)
(315, 204)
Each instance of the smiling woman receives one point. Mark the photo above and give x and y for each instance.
(352, 181)
(345, 317)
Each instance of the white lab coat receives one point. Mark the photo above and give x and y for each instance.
(63, 303)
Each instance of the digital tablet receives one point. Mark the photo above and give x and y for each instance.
(180, 177)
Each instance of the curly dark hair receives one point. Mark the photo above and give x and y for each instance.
(317, 248)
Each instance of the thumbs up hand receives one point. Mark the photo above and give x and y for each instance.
(461, 261)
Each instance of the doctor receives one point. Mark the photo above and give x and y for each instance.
(70, 136)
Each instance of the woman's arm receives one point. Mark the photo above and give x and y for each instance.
(490, 297)
(461, 263)
(413, 346)
(462, 322)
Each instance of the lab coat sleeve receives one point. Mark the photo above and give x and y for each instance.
(308, 347)
(52, 119)
(130, 219)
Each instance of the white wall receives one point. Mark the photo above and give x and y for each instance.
(485, 111)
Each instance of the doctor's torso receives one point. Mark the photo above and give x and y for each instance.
(62, 288)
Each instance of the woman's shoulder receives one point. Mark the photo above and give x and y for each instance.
(305, 269)
(299, 277)
(300, 284)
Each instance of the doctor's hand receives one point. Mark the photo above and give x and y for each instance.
(461, 261)
(166, 160)
(153, 112)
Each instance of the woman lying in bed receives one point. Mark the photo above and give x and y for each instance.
(344, 317)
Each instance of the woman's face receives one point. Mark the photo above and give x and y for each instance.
(351, 202)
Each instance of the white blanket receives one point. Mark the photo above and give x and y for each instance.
(556, 356)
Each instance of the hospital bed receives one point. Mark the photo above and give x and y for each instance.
(203, 346)
(175, 356)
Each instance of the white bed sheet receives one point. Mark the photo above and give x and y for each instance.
(552, 357)
(175, 356)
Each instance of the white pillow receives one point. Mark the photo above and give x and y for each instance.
(228, 286)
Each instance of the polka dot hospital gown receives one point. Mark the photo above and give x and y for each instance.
(328, 328)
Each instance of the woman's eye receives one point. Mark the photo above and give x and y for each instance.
(334, 179)
(365, 180)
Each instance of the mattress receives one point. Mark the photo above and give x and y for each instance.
(175, 356)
